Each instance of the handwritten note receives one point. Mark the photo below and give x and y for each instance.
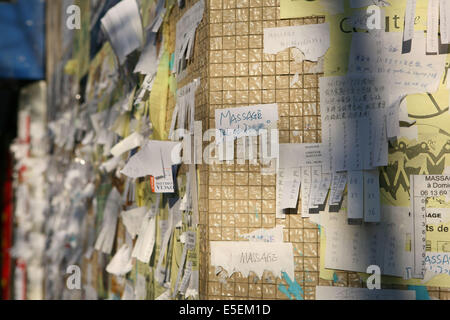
(380, 54)
(265, 235)
(244, 257)
(147, 161)
(338, 183)
(121, 263)
(355, 194)
(185, 34)
(246, 121)
(355, 247)
(105, 238)
(371, 196)
(353, 111)
(437, 263)
(313, 40)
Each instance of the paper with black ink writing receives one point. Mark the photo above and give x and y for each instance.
(313, 40)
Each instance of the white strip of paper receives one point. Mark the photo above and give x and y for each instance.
(444, 8)
(371, 196)
(355, 204)
(321, 196)
(305, 190)
(433, 26)
(313, 40)
(410, 15)
(339, 182)
(288, 185)
(316, 178)
(134, 140)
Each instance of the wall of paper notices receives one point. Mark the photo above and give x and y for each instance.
(237, 149)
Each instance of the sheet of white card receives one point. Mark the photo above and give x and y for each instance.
(313, 40)
(244, 257)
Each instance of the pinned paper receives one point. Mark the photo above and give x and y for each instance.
(184, 112)
(145, 243)
(185, 34)
(134, 140)
(246, 121)
(433, 26)
(305, 190)
(152, 159)
(437, 263)
(111, 164)
(351, 134)
(410, 15)
(148, 61)
(122, 23)
(380, 54)
(246, 257)
(288, 185)
(303, 155)
(444, 8)
(371, 196)
(121, 263)
(105, 239)
(265, 235)
(338, 183)
(313, 40)
(132, 219)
